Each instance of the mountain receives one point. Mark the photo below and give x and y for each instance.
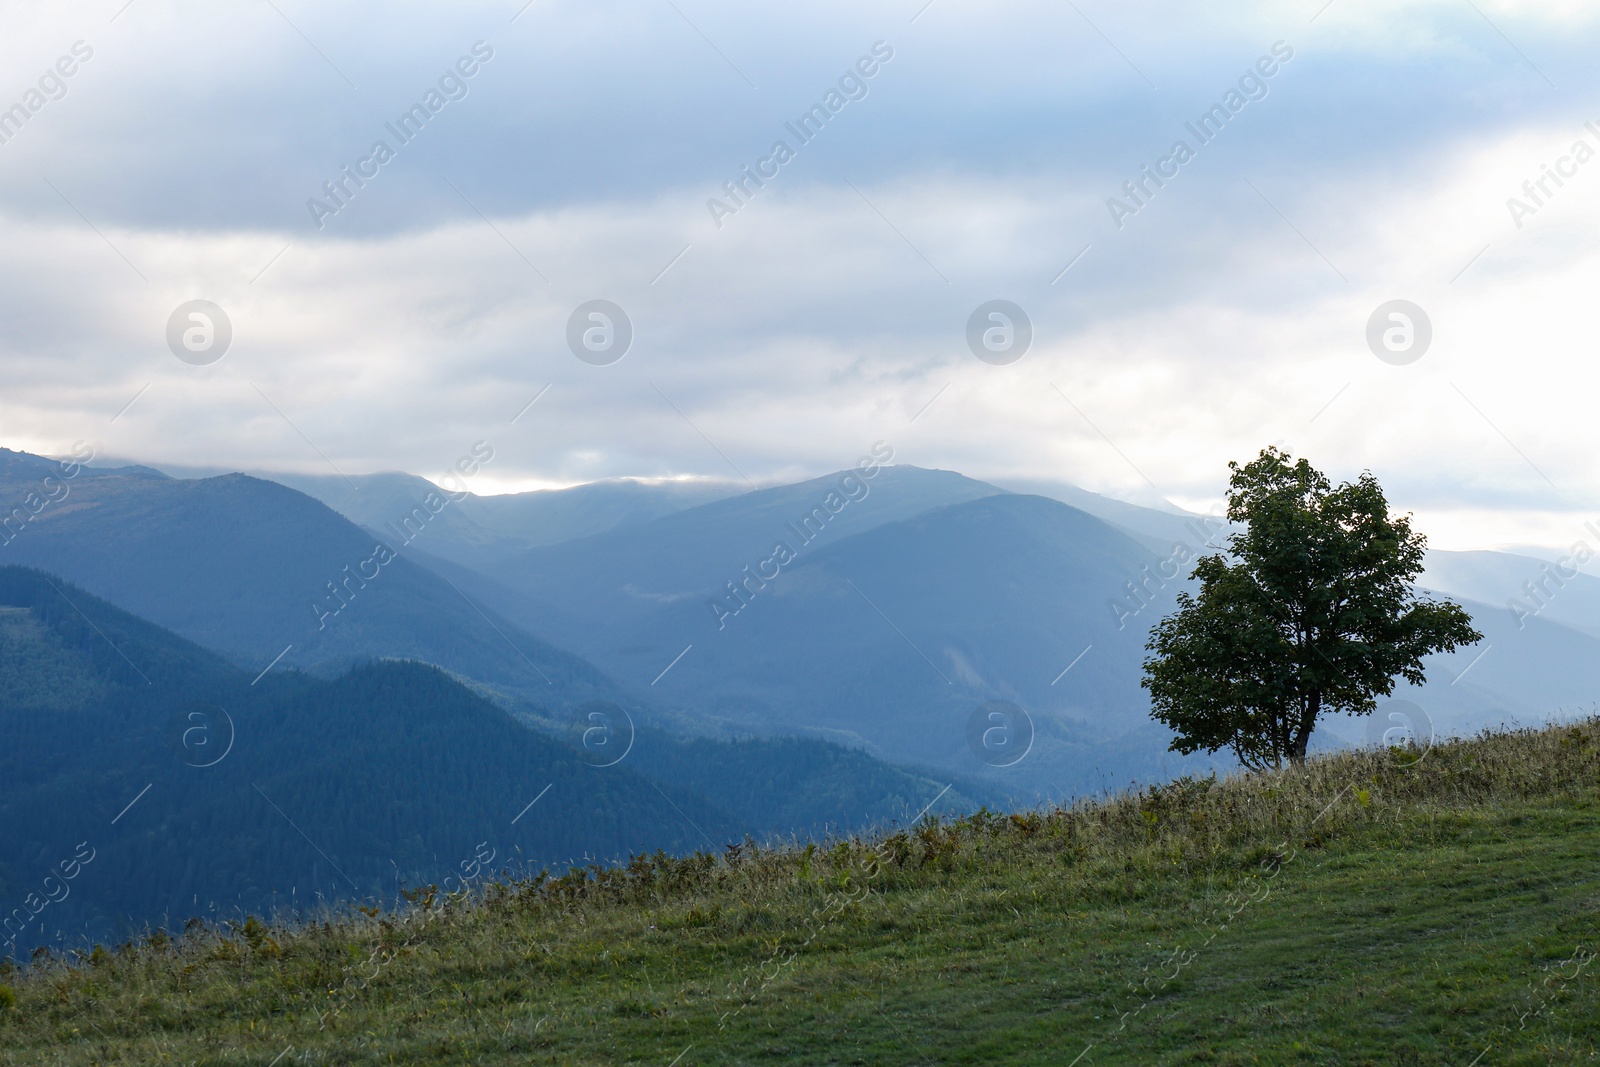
(254, 569)
(901, 614)
(189, 785)
(593, 581)
(1528, 673)
(486, 528)
(478, 530)
(1158, 525)
(1540, 617)
(181, 786)
(701, 548)
(907, 610)
(243, 566)
(902, 602)
(900, 634)
(1553, 591)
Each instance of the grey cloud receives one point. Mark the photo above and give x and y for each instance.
(226, 118)
(823, 316)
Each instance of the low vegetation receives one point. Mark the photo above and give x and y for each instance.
(1373, 907)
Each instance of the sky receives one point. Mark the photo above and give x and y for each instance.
(778, 332)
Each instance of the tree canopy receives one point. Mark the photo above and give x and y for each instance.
(1311, 611)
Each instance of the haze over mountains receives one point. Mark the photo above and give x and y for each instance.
(790, 659)
(905, 612)
(478, 529)
(557, 596)
(1531, 666)
(251, 568)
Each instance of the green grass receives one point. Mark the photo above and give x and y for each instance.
(1359, 911)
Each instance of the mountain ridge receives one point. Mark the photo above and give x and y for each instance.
(291, 786)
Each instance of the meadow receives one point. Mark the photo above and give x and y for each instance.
(1373, 907)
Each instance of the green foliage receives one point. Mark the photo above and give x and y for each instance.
(1312, 613)
(1273, 918)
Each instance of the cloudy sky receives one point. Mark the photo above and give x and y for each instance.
(779, 337)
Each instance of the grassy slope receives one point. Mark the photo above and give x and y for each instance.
(1362, 911)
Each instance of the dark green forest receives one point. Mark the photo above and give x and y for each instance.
(199, 791)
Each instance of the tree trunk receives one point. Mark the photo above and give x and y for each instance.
(1302, 734)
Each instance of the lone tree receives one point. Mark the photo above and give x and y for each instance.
(1310, 611)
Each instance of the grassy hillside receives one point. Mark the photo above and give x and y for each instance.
(1368, 910)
